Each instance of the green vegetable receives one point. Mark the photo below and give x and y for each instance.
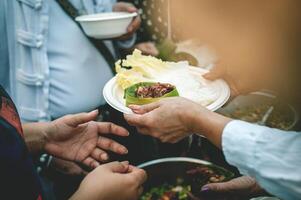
(131, 98)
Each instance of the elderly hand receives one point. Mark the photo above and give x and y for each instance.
(113, 181)
(169, 120)
(244, 187)
(78, 138)
(237, 84)
(135, 24)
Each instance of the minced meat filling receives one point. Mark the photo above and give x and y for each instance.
(154, 91)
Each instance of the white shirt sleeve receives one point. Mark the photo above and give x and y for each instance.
(271, 156)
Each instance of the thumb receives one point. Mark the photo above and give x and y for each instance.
(118, 167)
(134, 120)
(217, 187)
(144, 108)
(237, 185)
(81, 118)
(216, 73)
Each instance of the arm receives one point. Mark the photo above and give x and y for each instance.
(271, 156)
(35, 136)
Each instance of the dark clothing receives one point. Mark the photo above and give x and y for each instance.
(18, 178)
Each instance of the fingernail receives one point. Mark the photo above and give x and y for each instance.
(205, 189)
(134, 107)
(104, 157)
(124, 150)
(125, 162)
(94, 111)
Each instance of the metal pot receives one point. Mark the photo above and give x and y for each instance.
(169, 170)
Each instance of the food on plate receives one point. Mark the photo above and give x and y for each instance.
(188, 187)
(148, 92)
(254, 114)
(137, 68)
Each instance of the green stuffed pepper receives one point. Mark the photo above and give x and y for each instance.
(148, 92)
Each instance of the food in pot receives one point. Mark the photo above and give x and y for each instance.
(279, 118)
(148, 92)
(186, 188)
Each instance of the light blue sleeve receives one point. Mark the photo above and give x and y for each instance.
(4, 59)
(271, 156)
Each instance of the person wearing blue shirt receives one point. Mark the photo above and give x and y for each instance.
(53, 67)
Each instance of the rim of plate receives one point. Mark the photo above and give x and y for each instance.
(224, 94)
(105, 16)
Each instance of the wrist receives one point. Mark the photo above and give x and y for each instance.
(211, 125)
(45, 129)
(198, 120)
(35, 136)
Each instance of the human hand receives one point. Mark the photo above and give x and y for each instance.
(169, 120)
(78, 138)
(112, 181)
(135, 24)
(147, 48)
(244, 187)
(220, 72)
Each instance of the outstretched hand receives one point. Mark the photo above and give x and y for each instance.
(78, 138)
(244, 187)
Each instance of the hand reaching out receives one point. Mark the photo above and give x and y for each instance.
(244, 187)
(78, 138)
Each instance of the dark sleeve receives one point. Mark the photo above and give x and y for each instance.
(4, 59)
(19, 179)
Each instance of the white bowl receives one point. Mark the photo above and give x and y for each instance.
(106, 25)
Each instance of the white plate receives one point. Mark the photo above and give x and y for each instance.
(113, 94)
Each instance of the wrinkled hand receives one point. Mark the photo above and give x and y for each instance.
(169, 120)
(244, 187)
(78, 138)
(220, 72)
(147, 48)
(113, 181)
(135, 24)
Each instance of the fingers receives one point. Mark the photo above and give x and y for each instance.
(90, 162)
(238, 185)
(215, 73)
(110, 128)
(134, 120)
(139, 174)
(81, 118)
(111, 145)
(118, 167)
(135, 24)
(99, 155)
(124, 6)
(145, 108)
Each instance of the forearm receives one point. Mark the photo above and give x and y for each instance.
(271, 156)
(210, 125)
(35, 136)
